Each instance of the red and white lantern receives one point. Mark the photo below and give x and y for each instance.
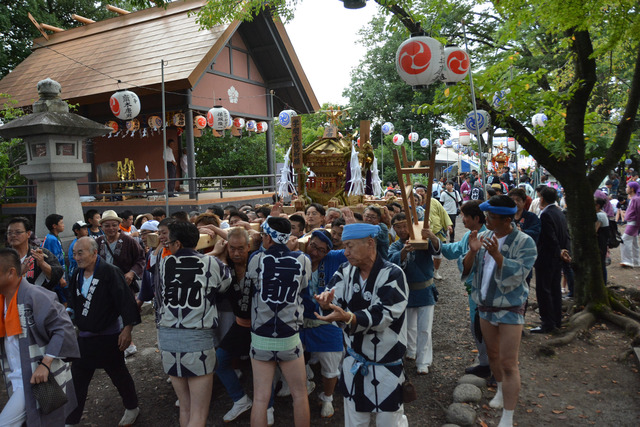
(238, 122)
(113, 125)
(456, 64)
(439, 141)
(419, 61)
(218, 117)
(200, 122)
(512, 144)
(464, 138)
(413, 137)
(398, 139)
(261, 127)
(125, 104)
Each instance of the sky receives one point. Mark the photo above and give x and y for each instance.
(324, 36)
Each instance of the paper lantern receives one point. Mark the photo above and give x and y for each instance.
(464, 138)
(125, 104)
(229, 123)
(456, 64)
(238, 122)
(419, 61)
(499, 98)
(154, 122)
(448, 143)
(424, 142)
(483, 121)
(113, 125)
(486, 155)
(439, 141)
(457, 146)
(261, 127)
(133, 125)
(413, 137)
(285, 118)
(512, 144)
(251, 125)
(178, 119)
(200, 122)
(218, 117)
(398, 139)
(538, 119)
(628, 162)
(388, 128)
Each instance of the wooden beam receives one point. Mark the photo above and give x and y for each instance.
(117, 10)
(38, 27)
(52, 28)
(82, 19)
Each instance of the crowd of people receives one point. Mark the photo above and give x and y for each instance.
(351, 291)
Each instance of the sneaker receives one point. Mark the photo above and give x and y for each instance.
(129, 417)
(270, 417)
(130, 351)
(310, 386)
(437, 275)
(423, 371)
(239, 408)
(327, 410)
(284, 391)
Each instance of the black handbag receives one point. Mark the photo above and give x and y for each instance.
(49, 395)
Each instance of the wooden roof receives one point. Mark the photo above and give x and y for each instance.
(89, 60)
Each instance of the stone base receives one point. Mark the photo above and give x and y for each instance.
(59, 197)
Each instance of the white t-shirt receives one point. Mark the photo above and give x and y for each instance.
(449, 199)
(12, 348)
(487, 269)
(168, 154)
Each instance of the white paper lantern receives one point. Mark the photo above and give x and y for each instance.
(439, 141)
(499, 99)
(424, 142)
(457, 146)
(398, 139)
(261, 127)
(464, 138)
(456, 64)
(125, 104)
(251, 125)
(200, 122)
(486, 155)
(388, 128)
(419, 61)
(538, 119)
(238, 122)
(218, 117)
(512, 144)
(448, 143)
(413, 137)
(230, 124)
(285, 118)
(483, 121)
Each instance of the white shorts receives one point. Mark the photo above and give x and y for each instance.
(329, 362)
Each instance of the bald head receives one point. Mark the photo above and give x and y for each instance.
(85, 252)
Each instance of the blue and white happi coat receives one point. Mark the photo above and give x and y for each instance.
(380, 335)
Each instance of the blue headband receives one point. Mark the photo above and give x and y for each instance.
(320, 235)
(277, 236)
(498, 210)
(359, 231)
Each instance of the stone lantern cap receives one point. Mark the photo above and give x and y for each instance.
(51, 116)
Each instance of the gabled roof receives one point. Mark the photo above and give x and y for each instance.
(88, 60)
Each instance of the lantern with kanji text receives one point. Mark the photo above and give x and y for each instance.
(218, 117)
(125, 104)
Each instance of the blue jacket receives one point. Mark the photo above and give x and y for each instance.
(417, 267)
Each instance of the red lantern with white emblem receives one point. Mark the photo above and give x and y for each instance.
(200, 122)
(218, 117)
(456, 64)
(261, 127)
(125, 104)
(419, 61)
(238, 122)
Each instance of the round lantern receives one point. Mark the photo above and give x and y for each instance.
(464, 138)
(511, 144)
(200, 122)
(448, 143)
(628, 162)
(113, 125)
(230, 123)
(486, 155)
(457, 146)
(439, 142)
(133, 125)
(388, 128)
(498, 98)
(483, 121)
(238, 122)
(285, 118)
(538, 119)
(178, 119)
(154, 122)
(456, 64)
(251, 125)
(125, 104)
(398, 139)
(424, 142)
(413, 137)
(261, 127)
(218, 117)
(419, 61)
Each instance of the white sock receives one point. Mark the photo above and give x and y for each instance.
(497, 401)
(324, 398)
(507, 418)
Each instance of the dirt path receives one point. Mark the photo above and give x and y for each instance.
(584, 384)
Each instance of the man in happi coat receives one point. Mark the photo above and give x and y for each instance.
(36, 338)
(368, 296)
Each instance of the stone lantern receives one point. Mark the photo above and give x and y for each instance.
(53, 139)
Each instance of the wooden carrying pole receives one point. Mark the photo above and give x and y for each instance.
(117, 10)
(82, 19)
(406, 188)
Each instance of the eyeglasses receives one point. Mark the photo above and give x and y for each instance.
(15, 233)
(315, 247)
(170, 242)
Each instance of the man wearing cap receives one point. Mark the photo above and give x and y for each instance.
(500, 260)
(278, 277)
(119, 249)
(417, 265)
(368, 298)
(80, 229)
(322, 339)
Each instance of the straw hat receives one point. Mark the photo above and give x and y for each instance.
(110, 216)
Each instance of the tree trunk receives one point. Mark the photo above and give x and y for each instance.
(589, 288)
